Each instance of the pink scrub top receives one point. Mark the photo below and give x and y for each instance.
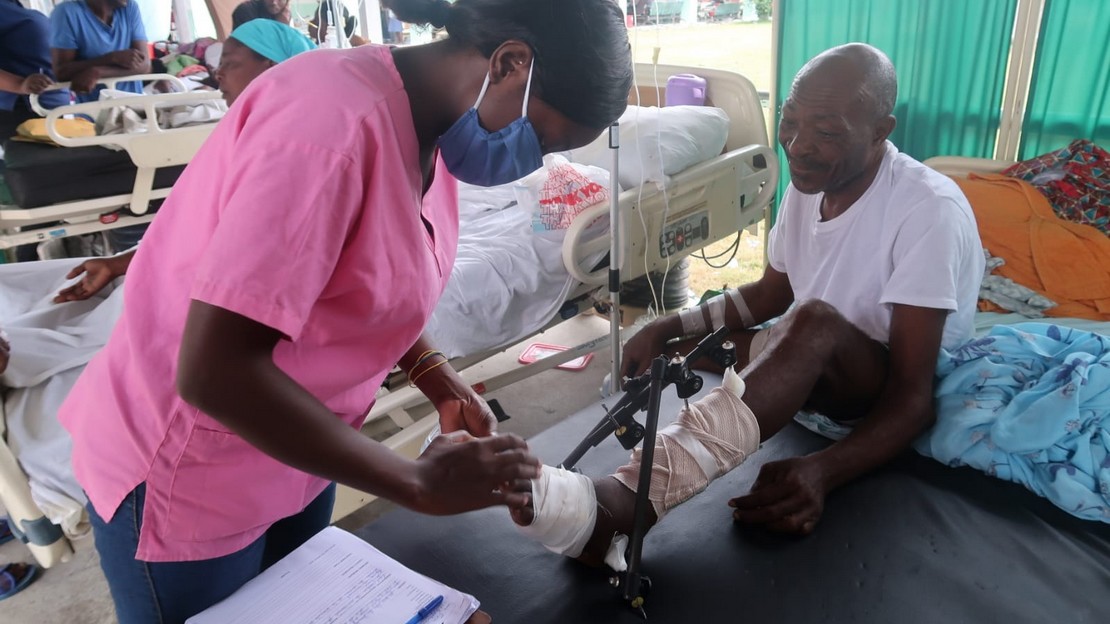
(302, 211)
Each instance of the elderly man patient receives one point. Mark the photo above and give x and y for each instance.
(875, 264)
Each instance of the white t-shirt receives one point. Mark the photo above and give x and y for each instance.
(910, 239)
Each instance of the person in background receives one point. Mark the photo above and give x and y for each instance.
(277, 10)
(94, 39)
(253, 48)
(318, 27)
(25, 66)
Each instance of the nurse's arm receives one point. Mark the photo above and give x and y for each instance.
(458, 404)
(226, 369)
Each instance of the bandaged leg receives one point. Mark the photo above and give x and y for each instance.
(710, 438)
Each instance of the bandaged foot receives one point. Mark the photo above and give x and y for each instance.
(575, 516)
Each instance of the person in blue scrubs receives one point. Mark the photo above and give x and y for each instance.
(25, 66)
(94, 39)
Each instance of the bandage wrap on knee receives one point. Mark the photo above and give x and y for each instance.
(710, 438)
(564, 504)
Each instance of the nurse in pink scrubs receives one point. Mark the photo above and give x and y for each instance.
(295, 263)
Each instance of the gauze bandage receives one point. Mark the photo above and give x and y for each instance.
(741, 306)
(716, 307)
(693, 321)
(710, 438)
(565, 509)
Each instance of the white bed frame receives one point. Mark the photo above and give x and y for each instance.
(150, 149)
(719, 188)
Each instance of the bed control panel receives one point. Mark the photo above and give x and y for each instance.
(690, 232)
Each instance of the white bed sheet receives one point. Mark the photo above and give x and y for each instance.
(507, 282)
(50, 345)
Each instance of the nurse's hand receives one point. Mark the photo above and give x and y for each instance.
(466, 412)
(459, 473)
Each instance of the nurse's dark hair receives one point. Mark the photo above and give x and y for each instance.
(583, 60)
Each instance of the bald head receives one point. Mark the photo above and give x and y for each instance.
(836, 120)
(854, 67)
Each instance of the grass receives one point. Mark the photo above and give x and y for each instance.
(744, 48)
(746, 265)
(739, 47)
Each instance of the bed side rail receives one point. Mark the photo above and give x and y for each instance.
(702, 205)
(110, 83)
(150, 148)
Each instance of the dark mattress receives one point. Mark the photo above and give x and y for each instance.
(38, 175)
(914, 542)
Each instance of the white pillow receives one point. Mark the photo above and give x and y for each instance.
(658, 142)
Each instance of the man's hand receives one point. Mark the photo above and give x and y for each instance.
(466, 411)
(458, 473)
(5, 351)
(642, 348)
(787, 497)
(35, 83)
(127, 59)
(98, 273)
(85, 81)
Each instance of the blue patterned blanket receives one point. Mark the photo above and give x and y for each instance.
(1028, 403)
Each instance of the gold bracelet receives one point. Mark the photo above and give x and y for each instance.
(424, 357)
(413, 381)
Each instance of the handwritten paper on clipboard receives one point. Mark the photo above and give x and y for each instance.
(337, 577)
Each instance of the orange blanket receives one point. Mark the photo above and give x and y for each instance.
(1066, 262)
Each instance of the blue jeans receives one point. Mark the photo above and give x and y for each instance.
(171, 592)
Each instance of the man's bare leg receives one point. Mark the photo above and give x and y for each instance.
(813, 358)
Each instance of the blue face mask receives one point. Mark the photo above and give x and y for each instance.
(477, 156)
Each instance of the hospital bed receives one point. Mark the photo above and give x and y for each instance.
(93, 184)
(721, 196)
(915, 541)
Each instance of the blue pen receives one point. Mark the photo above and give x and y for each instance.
(426, 611)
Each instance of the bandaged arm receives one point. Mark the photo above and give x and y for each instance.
(747, 306)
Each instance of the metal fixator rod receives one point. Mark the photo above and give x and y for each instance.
(615, 259)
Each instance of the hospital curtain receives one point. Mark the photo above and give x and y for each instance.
(950, 56)
(1069, 97)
